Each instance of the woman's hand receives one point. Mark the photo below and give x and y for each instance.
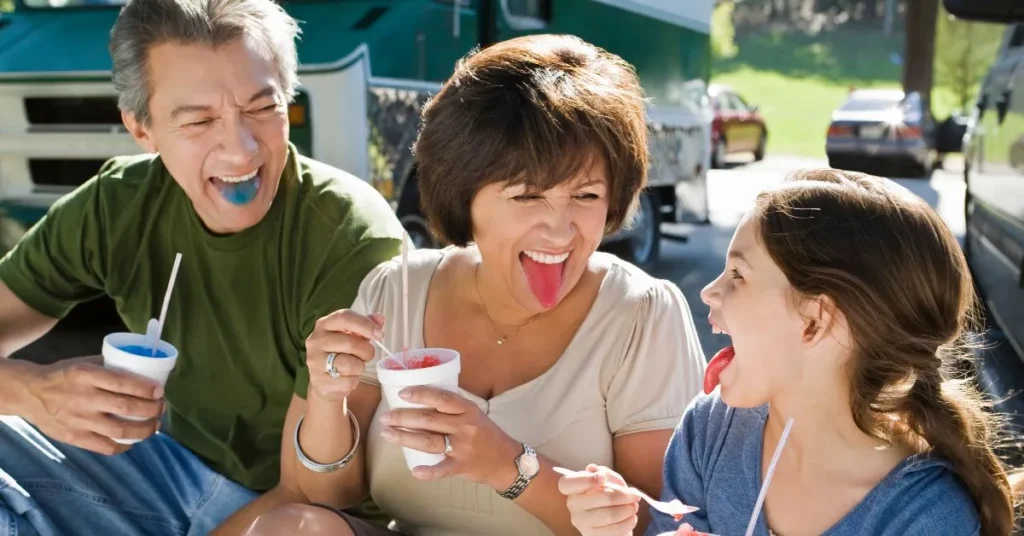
(346, 334)
(596, 510)
(481, 452)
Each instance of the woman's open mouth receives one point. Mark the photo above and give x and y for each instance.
(545, 274)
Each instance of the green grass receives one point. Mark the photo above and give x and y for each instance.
(799, 80)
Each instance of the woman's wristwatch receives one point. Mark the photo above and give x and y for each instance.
(528, 466)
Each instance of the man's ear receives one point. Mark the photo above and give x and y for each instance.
(139, 131)
(820, 316)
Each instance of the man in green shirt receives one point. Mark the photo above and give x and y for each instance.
(270, 243)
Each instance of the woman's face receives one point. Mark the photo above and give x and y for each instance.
(752, 302)
(538, 244)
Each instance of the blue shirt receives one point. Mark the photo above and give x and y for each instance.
(713, 462)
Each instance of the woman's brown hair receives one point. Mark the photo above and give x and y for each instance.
(534, 110)
(896, 273)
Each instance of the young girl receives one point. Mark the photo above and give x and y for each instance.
(847, 300)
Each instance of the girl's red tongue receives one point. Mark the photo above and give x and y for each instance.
(545, 280)
(715, 366)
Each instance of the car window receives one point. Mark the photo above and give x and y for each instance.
(722, 103)
(534, 9)
(740, 103)
(864, 104)
(1017, 38)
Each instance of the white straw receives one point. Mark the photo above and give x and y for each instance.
(386, 351)
(405, 296)
(768, 477)
(167, 301)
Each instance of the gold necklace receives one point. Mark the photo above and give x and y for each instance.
(494, 325)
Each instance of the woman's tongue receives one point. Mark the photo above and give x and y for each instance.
(545, 280)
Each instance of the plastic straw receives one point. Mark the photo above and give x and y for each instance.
(167, 302)
(387, 352)
(768, 477)
(405, 297)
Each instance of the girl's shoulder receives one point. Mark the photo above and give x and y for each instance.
(921, 495)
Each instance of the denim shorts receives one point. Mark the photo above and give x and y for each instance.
(158, 488)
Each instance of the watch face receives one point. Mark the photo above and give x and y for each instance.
(529, 465)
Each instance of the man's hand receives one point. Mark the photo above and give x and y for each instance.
(75, 401)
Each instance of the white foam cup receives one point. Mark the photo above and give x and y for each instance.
(156, 369)
(444, 376)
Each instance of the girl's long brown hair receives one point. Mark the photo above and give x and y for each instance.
(897, 274)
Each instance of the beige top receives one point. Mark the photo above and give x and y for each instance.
(633, 366)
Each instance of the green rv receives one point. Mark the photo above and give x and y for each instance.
(366, 68)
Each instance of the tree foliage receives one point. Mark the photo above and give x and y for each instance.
(964, 51)
(723, 35)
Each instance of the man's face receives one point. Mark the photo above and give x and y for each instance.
(219, 119)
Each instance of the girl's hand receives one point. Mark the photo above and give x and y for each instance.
(596, 510)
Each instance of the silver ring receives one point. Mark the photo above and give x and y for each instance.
(329, 366)
(447, 445)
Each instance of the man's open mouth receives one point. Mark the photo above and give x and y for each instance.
(238, 189)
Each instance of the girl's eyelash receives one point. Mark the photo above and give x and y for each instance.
(735, 274)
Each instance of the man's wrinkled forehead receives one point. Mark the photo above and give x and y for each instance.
(196, 78)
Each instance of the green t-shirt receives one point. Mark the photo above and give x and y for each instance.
(242, 306)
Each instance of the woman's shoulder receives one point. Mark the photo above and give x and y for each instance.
(922, 495)
(422, 264)
(633, 288)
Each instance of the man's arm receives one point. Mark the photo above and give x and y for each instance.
(20, 325)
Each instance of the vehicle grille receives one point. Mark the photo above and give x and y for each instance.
(72, 111)
(63, 172)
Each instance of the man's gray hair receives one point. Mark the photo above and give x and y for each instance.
(145, 23)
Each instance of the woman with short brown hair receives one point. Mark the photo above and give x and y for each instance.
(529, 154)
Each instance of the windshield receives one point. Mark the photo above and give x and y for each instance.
(869, 105)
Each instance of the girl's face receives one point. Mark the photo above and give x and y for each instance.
(753, 302)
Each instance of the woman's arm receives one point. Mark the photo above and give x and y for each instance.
(326, 431)
(326, 437)
(639, 458)
(541, 497)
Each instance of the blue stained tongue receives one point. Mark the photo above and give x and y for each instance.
(239, 193)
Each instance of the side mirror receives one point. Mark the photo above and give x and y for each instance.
(986, 10)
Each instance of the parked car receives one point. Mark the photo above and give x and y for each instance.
(737, 128)
(882, 131)
(994, 175)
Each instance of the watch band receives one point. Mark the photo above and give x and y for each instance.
(521, 481)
